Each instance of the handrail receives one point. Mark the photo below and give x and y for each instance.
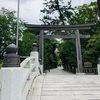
(28, 69)
(24, 67)
(26, 61)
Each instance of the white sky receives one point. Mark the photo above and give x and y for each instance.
(30, 9)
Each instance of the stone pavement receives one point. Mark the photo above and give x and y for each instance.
(65, 86)
(58, 71)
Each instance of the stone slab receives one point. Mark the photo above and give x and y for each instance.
(62, 86)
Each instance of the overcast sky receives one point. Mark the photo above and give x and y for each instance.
(30, 9)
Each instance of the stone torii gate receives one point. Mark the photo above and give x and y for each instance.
(77, 36)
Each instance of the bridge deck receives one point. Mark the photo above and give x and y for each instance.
(65, 86)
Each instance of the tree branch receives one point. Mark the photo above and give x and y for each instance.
(60, 13)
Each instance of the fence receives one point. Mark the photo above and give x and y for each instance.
(87, 70)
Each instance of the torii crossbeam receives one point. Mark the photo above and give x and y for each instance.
(59, 27)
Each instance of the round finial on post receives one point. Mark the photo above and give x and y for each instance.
(35, 48)
(11, 59)
(12, 48)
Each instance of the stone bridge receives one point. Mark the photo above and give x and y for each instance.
(26, 81)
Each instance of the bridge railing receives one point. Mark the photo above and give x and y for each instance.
(29, 73)
(15, 78)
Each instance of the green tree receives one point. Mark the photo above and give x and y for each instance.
(87, 13)
(67, 53)
(25, 44)
(56, 12)
(50, 59)
(8, 29)
(93, 50)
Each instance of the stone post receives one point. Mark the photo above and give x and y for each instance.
(98, 66)
(11, 75)
(35, 54)
(11, 59)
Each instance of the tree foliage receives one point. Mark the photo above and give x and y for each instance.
(25, 44)
(87, 13)
(50, 59)
(92, 52)
(67, 53)
(8, 24)
(56, 13)
(8, 28)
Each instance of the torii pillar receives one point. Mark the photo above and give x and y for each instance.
(78, 50)
(41, 49)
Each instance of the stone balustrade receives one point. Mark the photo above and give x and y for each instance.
(16, 78)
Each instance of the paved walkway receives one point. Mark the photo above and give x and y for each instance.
(58, 71)
(65, 86)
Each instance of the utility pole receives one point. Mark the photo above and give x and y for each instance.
(17, 23)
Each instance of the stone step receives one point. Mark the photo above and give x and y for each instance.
(65, 87)
(71, 87)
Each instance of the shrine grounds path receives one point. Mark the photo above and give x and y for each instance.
(61, 85)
